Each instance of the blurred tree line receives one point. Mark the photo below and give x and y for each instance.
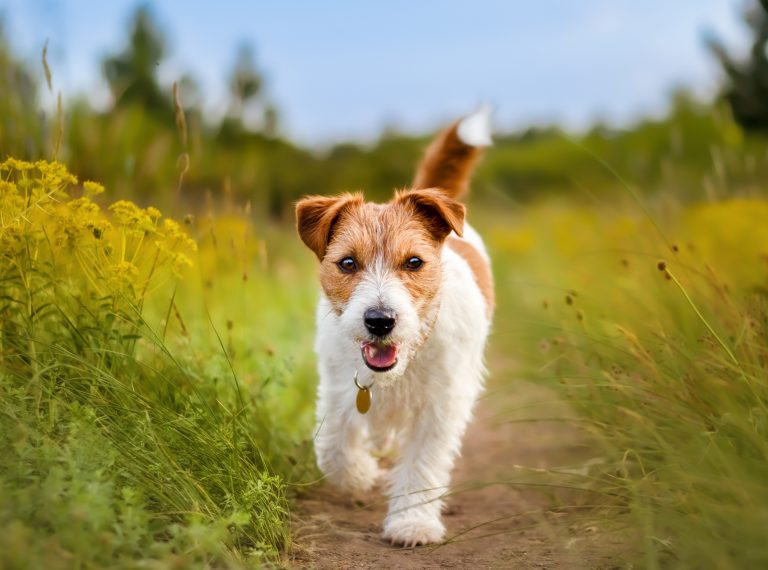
(136, 147)
(746, 88)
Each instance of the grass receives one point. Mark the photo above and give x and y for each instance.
(655, 330)
(127, 438)
(156, 390)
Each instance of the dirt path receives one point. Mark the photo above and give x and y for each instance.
(489, 525)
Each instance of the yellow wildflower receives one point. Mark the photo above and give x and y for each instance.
(54, 174)
(154, 214)
(12, 164)
(122, 275)
(132, 218)
(92, 188)
(174, 232)
(180, 263)
(74, 242)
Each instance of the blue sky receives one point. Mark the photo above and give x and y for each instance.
(346, 69)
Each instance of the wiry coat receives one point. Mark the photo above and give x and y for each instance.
(423, 401)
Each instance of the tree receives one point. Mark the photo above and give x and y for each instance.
(246, 82)
(249, 108)
(22, 132)
(131, 74)
(746, 88)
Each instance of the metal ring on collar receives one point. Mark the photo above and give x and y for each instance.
(361, 387)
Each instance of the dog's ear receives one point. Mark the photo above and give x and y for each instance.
(316, 216)
(441, 213)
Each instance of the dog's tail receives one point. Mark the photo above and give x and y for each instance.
(450, 158)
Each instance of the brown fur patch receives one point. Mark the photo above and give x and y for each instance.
(382, 237)
(440, 214)
(447, 164)
(316, 217)
(480, 269)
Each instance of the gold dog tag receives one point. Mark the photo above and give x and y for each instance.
(364, 396)
(363, 400)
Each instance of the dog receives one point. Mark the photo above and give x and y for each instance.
(405, 309)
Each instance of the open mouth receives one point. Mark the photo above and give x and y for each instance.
(378, 356)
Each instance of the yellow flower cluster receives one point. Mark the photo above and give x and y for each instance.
(134, 219)
(123, 253)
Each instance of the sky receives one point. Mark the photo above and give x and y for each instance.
(346, 69)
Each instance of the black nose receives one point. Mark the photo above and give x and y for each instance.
(379, 322)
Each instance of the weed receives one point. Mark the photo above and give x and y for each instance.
(665, 361)
(114, 450)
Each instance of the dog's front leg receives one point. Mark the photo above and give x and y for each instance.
(422, 476)
(341, 443)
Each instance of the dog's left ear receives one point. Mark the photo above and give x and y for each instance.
(441, 213)
(316, 216)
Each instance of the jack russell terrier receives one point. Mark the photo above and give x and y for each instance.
(405, 309)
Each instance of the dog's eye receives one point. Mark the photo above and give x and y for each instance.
(348, 265)
(413, 263)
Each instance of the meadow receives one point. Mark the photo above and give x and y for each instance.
(157, 376)
(652, 326)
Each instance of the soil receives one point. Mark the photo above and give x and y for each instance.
(501, 513)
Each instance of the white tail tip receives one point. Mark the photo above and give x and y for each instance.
(475, 129)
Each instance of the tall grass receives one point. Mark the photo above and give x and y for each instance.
(124, 441)
(656, 332)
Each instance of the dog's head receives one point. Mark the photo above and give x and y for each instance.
(380, 267)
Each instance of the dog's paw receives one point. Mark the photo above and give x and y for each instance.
(412, 530)
(358, 475)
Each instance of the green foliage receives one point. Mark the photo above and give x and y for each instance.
(248, 97)
(115, 451)
(132, 74)
(136, 154)
(654, 329)
(21, 131)
(694, 145)
(747, 85)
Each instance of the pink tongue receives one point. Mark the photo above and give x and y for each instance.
(380, 355)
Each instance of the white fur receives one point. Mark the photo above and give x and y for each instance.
(423, 404)
(475, 129)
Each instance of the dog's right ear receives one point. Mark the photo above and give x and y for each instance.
(316, 216)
